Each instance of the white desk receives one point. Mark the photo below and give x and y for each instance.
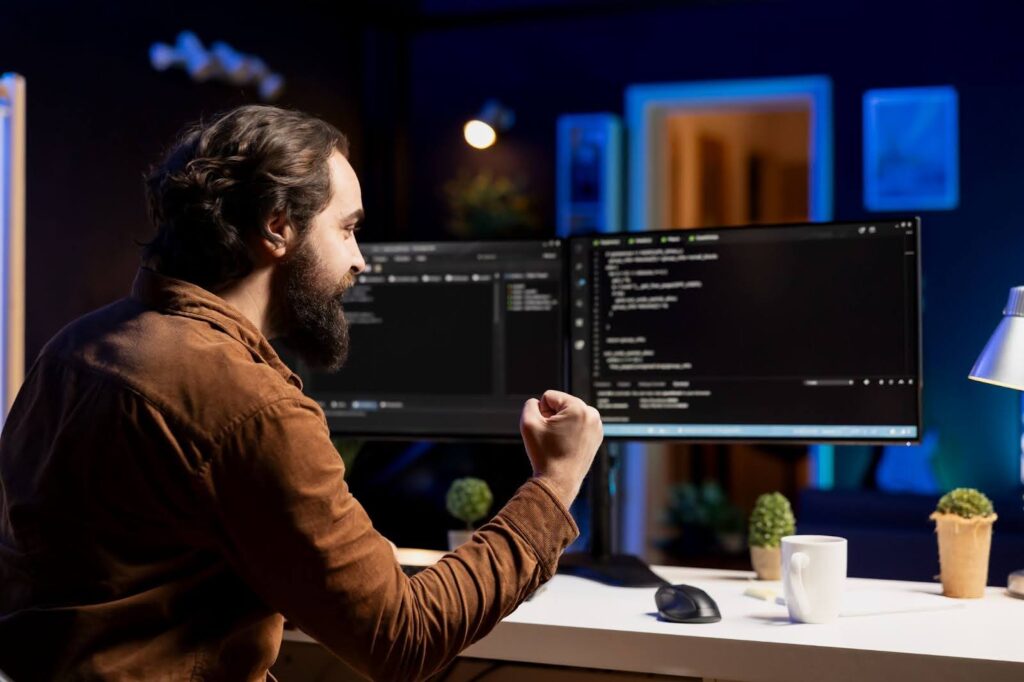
(574, 622)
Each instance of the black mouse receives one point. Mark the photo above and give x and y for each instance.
(686, 604)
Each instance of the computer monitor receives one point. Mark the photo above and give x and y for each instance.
(804, 333)
(448, 339)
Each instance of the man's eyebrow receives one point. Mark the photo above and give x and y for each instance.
(354, 217)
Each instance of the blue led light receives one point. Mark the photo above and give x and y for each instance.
(644, 101)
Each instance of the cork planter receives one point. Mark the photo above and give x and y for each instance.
(767, 562)
(964, 545)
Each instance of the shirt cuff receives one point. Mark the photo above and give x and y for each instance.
(542, 521)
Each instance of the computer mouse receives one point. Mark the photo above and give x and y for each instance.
(686, 604)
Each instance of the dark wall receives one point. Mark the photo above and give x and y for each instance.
(557, 57)
(98, 115)
(402, 78)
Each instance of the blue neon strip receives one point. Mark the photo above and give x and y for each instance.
(823, 466)
(797, 431)
(642, 99)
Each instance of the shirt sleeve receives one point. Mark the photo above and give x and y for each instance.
(295, 533)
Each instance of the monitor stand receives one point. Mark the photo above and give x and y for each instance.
(600, 564)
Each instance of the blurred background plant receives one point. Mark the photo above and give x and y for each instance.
(484, 205)
(469, 499)
(349, 449)
(703, 520)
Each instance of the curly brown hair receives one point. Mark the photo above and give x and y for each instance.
(225, 179)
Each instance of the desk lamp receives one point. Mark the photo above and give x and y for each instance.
(1002, 363)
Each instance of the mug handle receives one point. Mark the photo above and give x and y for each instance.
(797, 563)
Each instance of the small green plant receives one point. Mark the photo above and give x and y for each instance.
(965, 502)
(770, 521)
(469, 500)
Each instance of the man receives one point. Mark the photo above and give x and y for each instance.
(168, 492)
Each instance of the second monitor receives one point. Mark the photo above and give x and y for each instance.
(448, 339)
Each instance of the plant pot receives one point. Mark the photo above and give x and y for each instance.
(457, 538)
(767, 562)
(964, 546)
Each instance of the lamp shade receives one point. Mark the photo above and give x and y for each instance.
(1002, 361)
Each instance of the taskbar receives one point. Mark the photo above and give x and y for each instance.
(794, 431)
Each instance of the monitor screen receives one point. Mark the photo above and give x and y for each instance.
(798, 333)
(448, 339)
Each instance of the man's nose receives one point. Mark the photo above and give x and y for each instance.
(359, 264)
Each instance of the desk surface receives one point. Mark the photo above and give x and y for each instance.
(574, 622)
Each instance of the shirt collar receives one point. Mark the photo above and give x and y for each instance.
(178, 297)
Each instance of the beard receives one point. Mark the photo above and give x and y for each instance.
(310, 320)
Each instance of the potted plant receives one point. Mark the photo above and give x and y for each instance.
(963, 520)
(486, 205)
(729, 529)
(770, 521)
(469, 500)
(704, 520)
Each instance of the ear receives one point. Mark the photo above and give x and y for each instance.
(277, 237)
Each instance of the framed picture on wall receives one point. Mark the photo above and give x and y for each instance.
(589, 173)
(911, 149)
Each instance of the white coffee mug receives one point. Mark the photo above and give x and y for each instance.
(813, 575)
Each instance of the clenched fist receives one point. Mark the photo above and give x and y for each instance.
(561, 434)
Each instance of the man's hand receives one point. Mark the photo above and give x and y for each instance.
(561, 434)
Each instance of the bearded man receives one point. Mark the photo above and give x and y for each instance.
(168, 495)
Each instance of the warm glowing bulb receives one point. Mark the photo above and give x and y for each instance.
(479, 134)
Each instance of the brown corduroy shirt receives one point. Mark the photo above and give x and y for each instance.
(168, 495)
